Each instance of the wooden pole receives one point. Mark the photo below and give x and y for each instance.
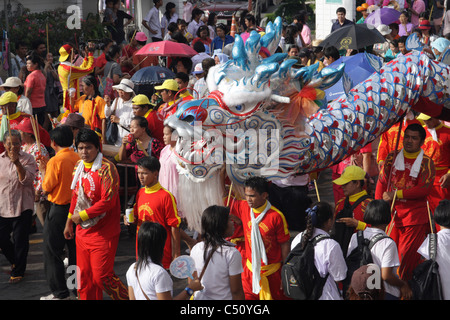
(229, 193)
(317, 190)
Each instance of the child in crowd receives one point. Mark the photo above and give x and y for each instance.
(328, 256)
(384, 253)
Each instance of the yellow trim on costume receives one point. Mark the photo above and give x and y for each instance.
(266, 271)
(156, 187)
(261, 208)
(83, 215)
(356, 196)
(411, 155)
(236, 240)
(400, 194)
(14, 115)
(69, 216)
(88, 164)
(361, 225)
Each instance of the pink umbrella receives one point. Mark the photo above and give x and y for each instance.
(382, 16)
(166, 49)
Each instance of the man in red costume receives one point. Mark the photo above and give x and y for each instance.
(266, 241)
(437, 147)
(407, 178)
(95, 209)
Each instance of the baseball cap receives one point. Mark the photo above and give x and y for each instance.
(169, 84)
(64, 52)
(351, 173)
(423, 116)
(8, 97)
(12, 82)
(140, 100)
(198, 68)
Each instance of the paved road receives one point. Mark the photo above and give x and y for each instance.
(34, 285)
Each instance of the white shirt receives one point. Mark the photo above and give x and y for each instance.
(328, 259)
(24, 105)
(154, 22)
(300, 180)
(153, 278)
(193, 27)
(125, 113)
(384, 255)
(225, 262)
(442, 258)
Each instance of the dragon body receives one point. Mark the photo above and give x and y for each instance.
(259, 118)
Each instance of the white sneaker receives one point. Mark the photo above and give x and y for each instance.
(52, 297)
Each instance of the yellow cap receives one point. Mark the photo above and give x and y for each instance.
(169, 84)
(64, 52)
(351, 173)
(423, 116)
(8, 97)
(140, 99)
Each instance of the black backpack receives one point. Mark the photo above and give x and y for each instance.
(426, 281)
(360, 256)
(300, 278)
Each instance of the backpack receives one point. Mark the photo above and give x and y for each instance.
(360, 256)
(426, 281)
(300, 278)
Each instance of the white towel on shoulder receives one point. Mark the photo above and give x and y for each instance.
(399, 163)
(95, 166)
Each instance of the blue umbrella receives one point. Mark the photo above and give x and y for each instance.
(146, 78)
(357, 69)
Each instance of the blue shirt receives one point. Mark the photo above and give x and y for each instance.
(218, 43)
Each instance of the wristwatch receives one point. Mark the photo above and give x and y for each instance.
(189, 291)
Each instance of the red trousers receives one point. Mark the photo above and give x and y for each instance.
(95, 260)
(408, 240)
(274, 283)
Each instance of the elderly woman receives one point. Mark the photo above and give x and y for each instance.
(120, 110)
(95, 209)
(16, 208)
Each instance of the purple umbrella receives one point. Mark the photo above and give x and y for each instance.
(382, 16)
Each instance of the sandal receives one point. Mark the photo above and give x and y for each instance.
(15, 279)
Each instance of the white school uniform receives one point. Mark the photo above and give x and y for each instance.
(153, 278)
(442, 258)
(328, 259)
(384, 255)
(225, 262)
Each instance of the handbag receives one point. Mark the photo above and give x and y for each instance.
(107, 84)
(112, 129)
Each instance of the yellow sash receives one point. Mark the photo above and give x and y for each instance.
(266, 271)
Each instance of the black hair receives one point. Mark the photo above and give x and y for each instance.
(36, 43)
(211, 17)
(90, 80)
(172, 27)
(199, 46)
(341, 9)
(257, 183)
(105, 43)
(89, 136)
(149, 163)
(377, 213)
(143, 123)
(35, 58)
(222, 26)
(187, 62)
(402, 39)
(178, 36)
(332, 52)
(202, 28)
(113, 50)
(169, 6)
(197, 12)
(183, 76)
(20, 43)
(250, 18)
(291, 33)
(181, 21)
(207, 64)
(417, 128)
(214, 224)
(394, 26)
(405, 13)
(150, 243)
(62, 136)
(442, 213)
(323, 213)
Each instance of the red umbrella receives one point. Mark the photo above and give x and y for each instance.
(167, 49)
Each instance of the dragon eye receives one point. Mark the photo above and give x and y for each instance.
(239, 108)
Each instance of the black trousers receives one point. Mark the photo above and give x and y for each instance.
(292, 202)
(54, 244)
(16, 251)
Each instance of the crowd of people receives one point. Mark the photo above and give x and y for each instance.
(65, 128)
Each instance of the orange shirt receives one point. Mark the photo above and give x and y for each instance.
(86, 108)
(58, 176)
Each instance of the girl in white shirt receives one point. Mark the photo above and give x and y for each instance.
(442, 218)
(328, 256)
(222, 274)
(384, 252)
(146, 278)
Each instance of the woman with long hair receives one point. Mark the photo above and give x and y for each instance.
(328, 256)
(146, 278)
(169, 16)
(218, 262)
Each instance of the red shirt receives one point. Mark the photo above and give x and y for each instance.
(158, 205)
(273, 227)
(102, 188)
(37, 82)
(155, 124)
(358, 212)
(411, 202)
(439, 151)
